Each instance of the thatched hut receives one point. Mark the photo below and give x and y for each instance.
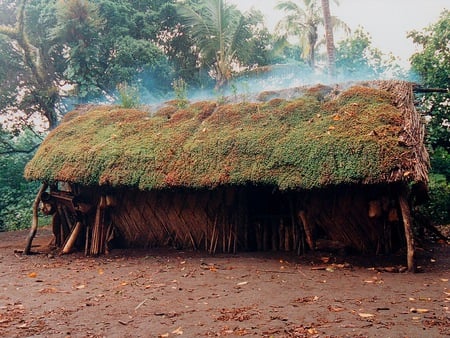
(334, 163)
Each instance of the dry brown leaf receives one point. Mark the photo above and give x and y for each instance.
(366, 315)
(335, 308)
(32, 275)
(178, 331)
(414, 310)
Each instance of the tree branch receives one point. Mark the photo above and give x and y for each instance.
(13, 150)
(419, 89)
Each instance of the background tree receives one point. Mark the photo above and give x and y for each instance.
(432, 65)
(47, 46)
(329, 37)
(357, 59)
(125, 53)
(303, 19)
(222, 35)
(27, 51)
(16, 194)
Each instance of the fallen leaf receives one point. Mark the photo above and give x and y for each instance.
(335, 308)
(164, 335)
(444, 279)
(312, 331)
(178, 331)
(414, 310)
(101, 272)
(32, 275)
(366, 315)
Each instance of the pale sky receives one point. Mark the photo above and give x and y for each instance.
(387, 21)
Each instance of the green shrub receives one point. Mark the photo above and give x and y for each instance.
(128, 96)
(437, 209)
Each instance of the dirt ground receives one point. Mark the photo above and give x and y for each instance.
(170, 293)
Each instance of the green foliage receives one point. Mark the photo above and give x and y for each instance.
(16, 194)
(432, 64)
(180, 89)
(128, 96)
(302, 21)
(440, 162)
(357, 59)
(437, 209)
(225, 37)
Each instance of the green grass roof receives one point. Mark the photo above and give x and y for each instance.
(319, 139)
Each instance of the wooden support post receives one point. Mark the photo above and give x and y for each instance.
(307, 228)
(98, 230)
(73, 237)
(56, 228)
(35, 221)
(406, 215)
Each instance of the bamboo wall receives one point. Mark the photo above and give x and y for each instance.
(228, 219)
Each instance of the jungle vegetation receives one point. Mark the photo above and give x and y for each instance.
(55, 54)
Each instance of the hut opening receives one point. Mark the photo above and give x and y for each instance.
(333, 164)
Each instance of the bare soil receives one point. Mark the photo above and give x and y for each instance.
(172, 293)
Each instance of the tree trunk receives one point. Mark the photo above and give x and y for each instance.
(45, 95)
(34, 223)
(329, 38)
(406, 215)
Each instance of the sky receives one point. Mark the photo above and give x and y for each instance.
(387, 21)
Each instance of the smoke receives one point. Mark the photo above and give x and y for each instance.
(247, 85)
(278, 77)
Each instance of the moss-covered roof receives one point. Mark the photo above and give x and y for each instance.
(364, 134)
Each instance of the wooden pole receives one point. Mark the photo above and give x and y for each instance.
(35, 221)
(73, 237)
(406, 215)
(307, 228)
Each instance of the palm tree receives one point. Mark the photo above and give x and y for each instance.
(216, 29)
(329, 38)
(303, 20)
(303, 23)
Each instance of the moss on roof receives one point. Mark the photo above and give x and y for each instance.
(308, 142)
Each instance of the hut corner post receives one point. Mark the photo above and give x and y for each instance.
(406, 216)
(34, 223)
